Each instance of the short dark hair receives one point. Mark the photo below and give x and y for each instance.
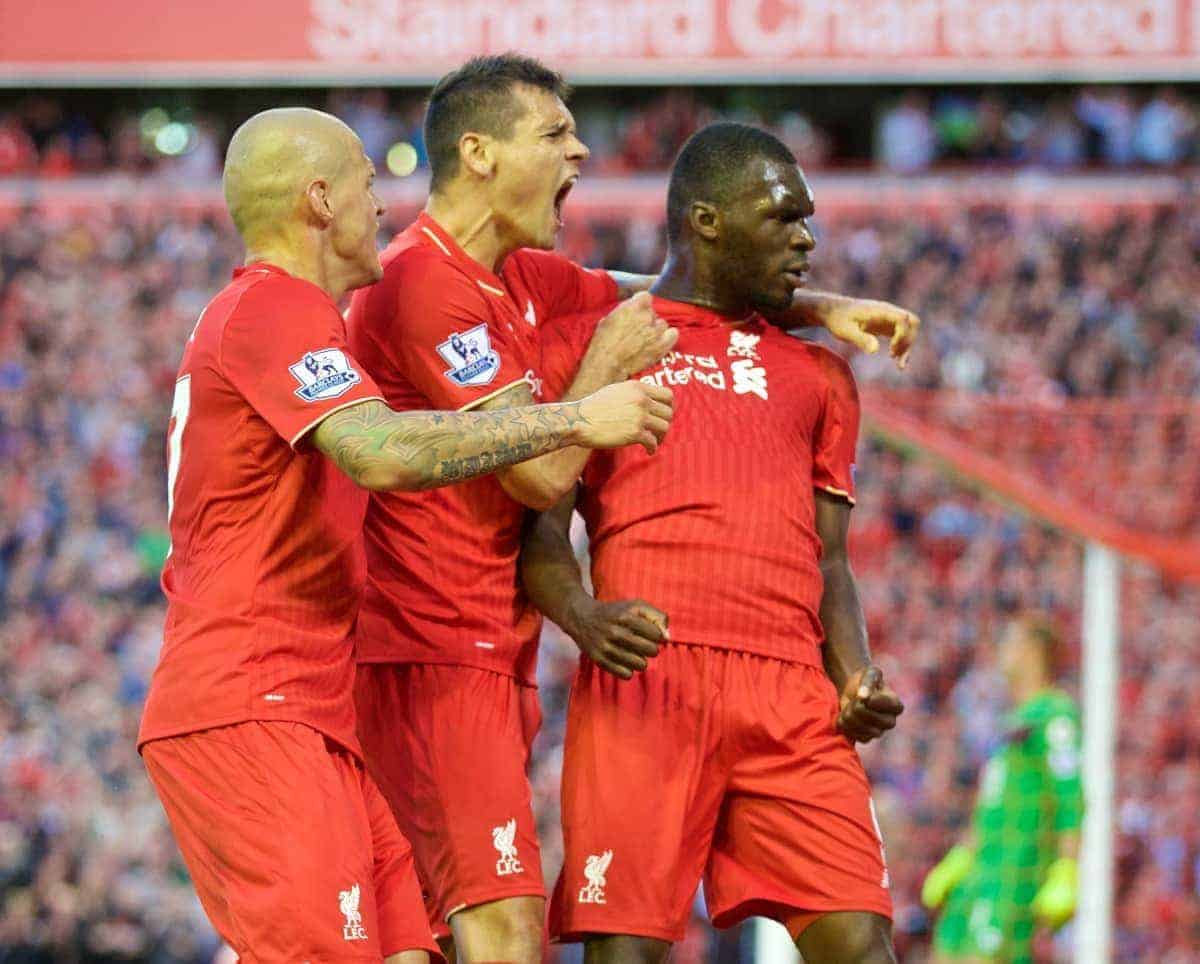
(479, 96)
(712, 166)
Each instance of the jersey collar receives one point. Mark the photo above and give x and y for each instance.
(438, 236)
(265, 266)
(682, 314)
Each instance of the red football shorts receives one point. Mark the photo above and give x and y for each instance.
(292, 850)
(449, 748)
(715, 765)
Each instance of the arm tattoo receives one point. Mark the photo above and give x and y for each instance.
(383, 449)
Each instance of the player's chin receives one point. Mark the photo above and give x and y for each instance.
(372, 272)
(778, 299)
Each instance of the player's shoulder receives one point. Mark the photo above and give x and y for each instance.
(420, 283)
(573, 327)
(535, 259)
(830, 367)
(252, 299)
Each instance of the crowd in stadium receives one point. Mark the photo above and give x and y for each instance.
(1117, 127)
(94, 309)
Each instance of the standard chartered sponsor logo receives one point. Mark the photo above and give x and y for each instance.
(678, 368)
(746, 373)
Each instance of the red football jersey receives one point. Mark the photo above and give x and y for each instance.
(718, 527)
(266, 566)
(440, 331)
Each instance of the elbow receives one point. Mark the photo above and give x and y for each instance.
(543, 500)
(384, 478)
(540, 494)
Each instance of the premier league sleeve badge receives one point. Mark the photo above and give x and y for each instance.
(323, 375)
(470, 356)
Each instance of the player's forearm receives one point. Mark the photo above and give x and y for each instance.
(810, 308)
(381, 449)
(629, 284)
(846, 649)
(547, 479)
(549, 570)
(541, 483)
(1068, 844)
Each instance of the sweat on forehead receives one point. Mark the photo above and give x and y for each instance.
(716, 164)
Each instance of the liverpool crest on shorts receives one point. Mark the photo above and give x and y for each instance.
(504, 839)
(323, 374)
(470, 357)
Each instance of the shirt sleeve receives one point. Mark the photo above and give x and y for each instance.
(560, 285)
(284, 350)
(1062, 763)
(563, 343)
(836, 438)
(431, 325)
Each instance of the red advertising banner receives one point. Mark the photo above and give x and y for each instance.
(697, 41)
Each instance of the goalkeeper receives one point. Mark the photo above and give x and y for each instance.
(1016, 869)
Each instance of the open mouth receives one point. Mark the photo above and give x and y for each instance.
(561, 197)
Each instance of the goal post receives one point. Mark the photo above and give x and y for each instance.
(1123, 479)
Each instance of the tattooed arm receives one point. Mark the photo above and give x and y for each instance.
(382, 449)
(628, 339)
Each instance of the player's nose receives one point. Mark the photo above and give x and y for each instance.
(802, 238)
(577, 150)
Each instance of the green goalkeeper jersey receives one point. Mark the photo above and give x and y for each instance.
(1030, 792)
(1029, 795)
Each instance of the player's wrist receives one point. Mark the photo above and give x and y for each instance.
(599, 368)
(576, 611)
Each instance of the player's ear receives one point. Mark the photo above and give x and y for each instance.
(476, 152)
(704, 220)
(317, 201)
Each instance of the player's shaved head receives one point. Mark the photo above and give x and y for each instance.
(715, 165)
(274, 157)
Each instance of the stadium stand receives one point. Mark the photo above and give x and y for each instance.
(56, 136)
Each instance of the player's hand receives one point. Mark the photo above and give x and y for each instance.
(1054, 903)
(869, 707)
(862, 322)
(625, 413)
(618, 636)
(947, 875)
(631, 337)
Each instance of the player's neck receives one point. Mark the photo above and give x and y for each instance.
(299, 263)
(1026, 687)
(683, 280)
(472, 225)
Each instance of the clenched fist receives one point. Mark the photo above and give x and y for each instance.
(868, 706)
(618, 636)
(631, 337)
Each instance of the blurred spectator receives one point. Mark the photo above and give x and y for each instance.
(1165, 130)
(368, 115)
(1057, 140)
(1109, 115)
(907, 142)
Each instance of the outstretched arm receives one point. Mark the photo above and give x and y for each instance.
(868, 706)
(382, 449)
(859, 321)
(618, 636)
